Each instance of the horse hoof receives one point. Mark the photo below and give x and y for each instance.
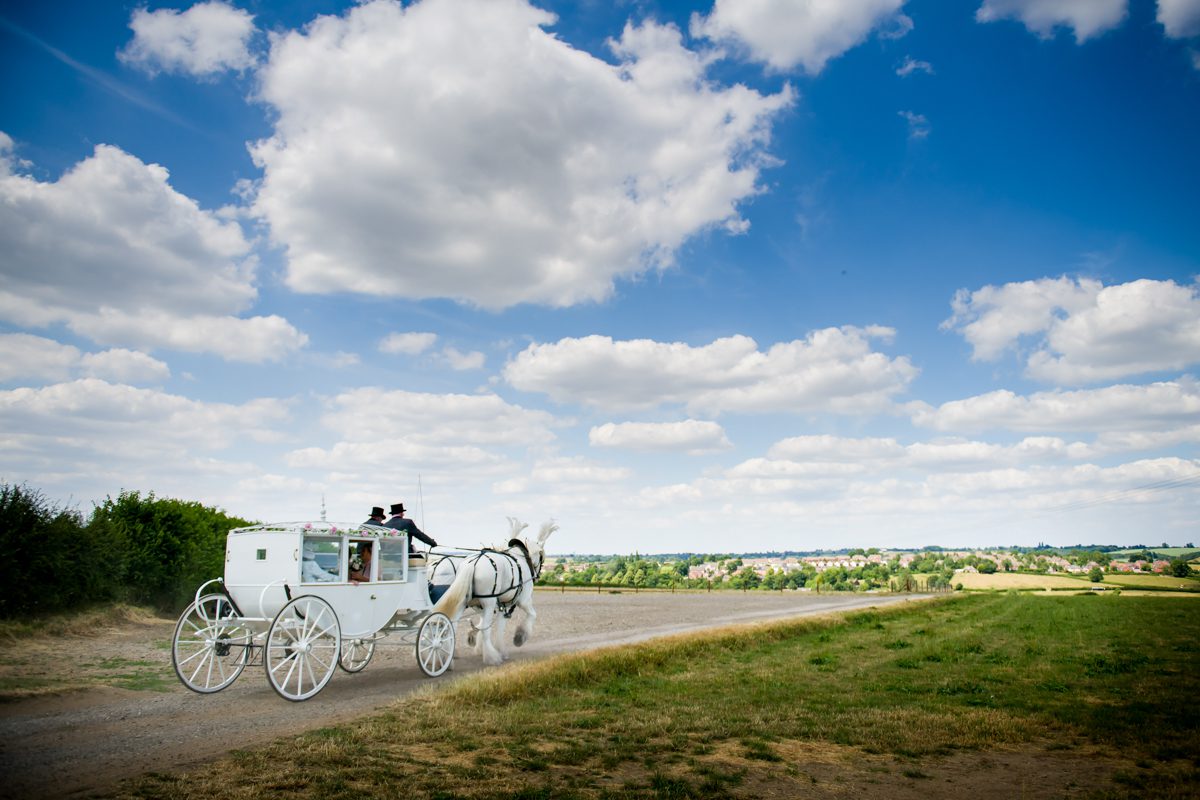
(519, 639)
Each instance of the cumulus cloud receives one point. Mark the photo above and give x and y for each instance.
(205, 39)
(694, 437)
(393, 435)
(1180, 18)
(457, 149)
(93, 417)
(1163, 406)
(1089, 332)
(785, 34)
(1086, 18)
(460, 361)
(409, 344)
(113, 252)
(832, 370)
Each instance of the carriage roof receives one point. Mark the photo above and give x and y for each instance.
(320, 529)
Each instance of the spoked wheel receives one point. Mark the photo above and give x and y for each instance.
(210, 647)
(303, 647)
(435, 644)
(356, 654)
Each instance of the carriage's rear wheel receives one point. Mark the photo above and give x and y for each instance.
(356, 654)
(435, 644)
(211, 646)
(303, 648)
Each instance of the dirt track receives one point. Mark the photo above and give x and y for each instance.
(84, 742)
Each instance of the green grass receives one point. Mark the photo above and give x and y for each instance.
(697, 716)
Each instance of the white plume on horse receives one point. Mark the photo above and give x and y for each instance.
(497, 581)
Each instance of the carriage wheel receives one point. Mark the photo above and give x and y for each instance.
(303, 647)
(435, 644)
(356, 654)
(211, 646)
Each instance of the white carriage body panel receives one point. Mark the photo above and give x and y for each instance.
(261, 561)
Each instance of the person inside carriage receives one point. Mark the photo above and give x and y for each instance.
(398, 522)
(310, 570)
(360, 564)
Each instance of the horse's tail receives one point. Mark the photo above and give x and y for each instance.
(455, 599)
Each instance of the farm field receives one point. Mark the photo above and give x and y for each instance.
(1016, 580)
(983, 695)
(1152, 581)
(1022, 581)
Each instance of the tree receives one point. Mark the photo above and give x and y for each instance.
(987, 567)
(1180, 568)
(1095, 575)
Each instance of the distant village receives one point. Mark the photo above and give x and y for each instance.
(855, 569)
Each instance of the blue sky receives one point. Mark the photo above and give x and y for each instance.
(684, 276)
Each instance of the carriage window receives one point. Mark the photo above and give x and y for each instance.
(260, 554)
(322, 559)
(392, 553)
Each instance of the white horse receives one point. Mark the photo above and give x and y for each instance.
(498, 582)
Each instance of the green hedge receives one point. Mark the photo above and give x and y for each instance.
(143, 550)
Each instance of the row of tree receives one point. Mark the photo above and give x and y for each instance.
(134, 548)
(640, 572)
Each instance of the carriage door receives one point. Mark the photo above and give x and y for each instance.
(393, 572)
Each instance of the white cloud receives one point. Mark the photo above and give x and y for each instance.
(912, 65)
(463, 361)
(379, 416)
(834, 448)
(409, 344)
(1133, 328)
(789, 33)
(570, 481)
(455, 148)
(918, 124)
(207, 38)
(1123, 409)
(832, 370)
(24, 356)
(1180, 18)
(114, 253)
(98, 418)
(388, 437)
(694, 437)
(1090, 332)
(124, 366)
(1087, 18)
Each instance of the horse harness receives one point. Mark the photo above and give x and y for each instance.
(506, 607)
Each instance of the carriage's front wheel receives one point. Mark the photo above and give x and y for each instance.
(356, 654)
(435, 644)
(303, 647)
(211, 646)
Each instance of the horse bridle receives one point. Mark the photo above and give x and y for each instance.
(528, 559)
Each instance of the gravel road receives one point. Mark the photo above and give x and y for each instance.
(84, 742)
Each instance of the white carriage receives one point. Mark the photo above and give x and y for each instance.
(287, 601)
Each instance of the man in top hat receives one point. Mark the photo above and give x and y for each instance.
(408, 526)
(376, 516)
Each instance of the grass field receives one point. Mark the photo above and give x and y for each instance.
(998, 695)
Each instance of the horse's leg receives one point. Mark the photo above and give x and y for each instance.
(525, 629)
(501, 627)
(487, 617)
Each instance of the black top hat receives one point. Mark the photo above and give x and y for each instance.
(397, 508)
(376, 511)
